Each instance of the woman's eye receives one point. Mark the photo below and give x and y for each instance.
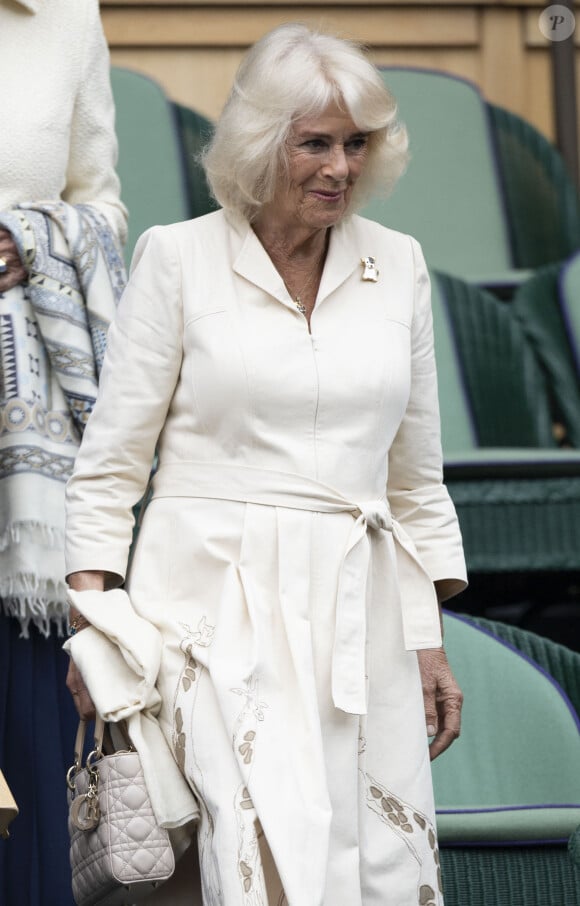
(315, 144)
(357, 144)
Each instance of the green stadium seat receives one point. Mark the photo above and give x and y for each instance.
(151, 165)
(570, 303)
(485, 193)
(548, 309)
(541, 200)
(513, 774)
(518, 503)
(195, 131)
(450, 199)
(507, 793)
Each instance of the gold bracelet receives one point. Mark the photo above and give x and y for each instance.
(78, 623)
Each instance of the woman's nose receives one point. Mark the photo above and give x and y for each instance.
(336, 164)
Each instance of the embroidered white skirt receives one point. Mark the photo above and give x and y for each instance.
(302, 803)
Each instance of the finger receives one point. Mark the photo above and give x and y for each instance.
(10, 255)
(84, 704)
(71, 681)
(7, 243)
(443, 739)
(431, 717)
(80, 694)
(12, 270)
(74, 677)
(430, 706)
(12, 277)
(450, 727)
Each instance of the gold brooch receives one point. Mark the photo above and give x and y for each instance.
(370, 270)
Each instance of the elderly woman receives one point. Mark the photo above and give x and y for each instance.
(278, 353)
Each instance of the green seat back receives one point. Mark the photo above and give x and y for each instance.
(570, 304)
(457, 429)
(195, 131)
(150, 158)
(562, 663)
(506, 387)
(542, 201)
(450, 197)
(546, 308)
(513, 775)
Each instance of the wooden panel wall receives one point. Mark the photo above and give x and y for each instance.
(194, 47)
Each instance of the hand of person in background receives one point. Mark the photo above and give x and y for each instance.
(443, 699)
(12, 271)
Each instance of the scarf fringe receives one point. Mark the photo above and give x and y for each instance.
(30, 599)
(39, 532)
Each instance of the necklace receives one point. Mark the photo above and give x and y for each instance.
(297, 297)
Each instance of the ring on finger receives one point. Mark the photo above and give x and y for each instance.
(3, 265)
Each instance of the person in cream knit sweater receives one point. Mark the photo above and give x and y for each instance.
(61, 226)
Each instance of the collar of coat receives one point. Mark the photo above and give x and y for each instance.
(254, 263)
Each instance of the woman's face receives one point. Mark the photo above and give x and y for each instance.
(326, 155)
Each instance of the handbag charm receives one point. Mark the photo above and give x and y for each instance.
(85, 812)
(115, 859)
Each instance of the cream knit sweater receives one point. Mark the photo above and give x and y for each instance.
(57, 141)
(57, 135)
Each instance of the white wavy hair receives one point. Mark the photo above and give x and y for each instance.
(290, 73)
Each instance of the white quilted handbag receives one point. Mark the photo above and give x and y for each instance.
(118, 852)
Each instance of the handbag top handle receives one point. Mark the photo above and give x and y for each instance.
(80, 745)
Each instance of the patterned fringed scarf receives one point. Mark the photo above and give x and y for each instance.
(52, 341)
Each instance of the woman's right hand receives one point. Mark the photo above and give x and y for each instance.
(15, 272)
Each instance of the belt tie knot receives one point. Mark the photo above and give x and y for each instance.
(349, 653)
(377, 514)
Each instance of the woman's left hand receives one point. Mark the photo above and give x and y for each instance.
(442, 698)
(80, 694)
(15, 271)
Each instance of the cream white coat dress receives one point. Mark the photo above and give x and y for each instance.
(287, 557)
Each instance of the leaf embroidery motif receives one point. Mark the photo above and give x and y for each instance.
(245, 749)
(189, 673)
(179, 737)
(250, 693)
(246, 801)
(410, 826)
(203, 635)
(426, 896)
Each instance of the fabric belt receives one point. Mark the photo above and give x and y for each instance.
(267, 487)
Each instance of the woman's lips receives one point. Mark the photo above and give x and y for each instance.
(326, 195)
